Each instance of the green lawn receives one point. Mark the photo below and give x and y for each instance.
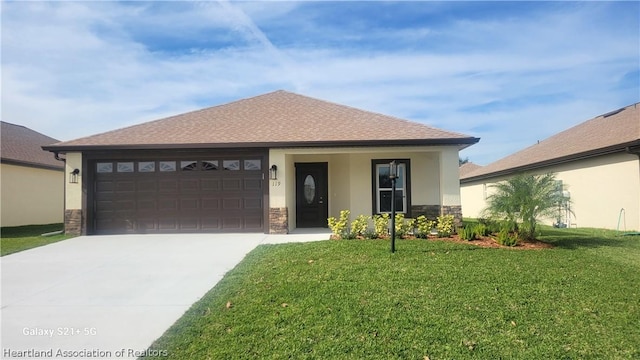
(431, 299)
(19, 238)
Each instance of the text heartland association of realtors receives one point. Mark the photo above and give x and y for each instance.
(84, 353)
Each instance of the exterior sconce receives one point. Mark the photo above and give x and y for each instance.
(73, 176)
(273, 172)
(393, 175)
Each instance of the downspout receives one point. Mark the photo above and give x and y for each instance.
(56, 156)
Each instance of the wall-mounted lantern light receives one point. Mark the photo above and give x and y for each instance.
(273, 172)
(73, 176)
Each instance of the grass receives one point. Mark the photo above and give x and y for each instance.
(431, 299)
(19, 238)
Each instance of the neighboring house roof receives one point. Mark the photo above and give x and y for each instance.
(23, 146)
(616, 131)
(276, 119)
(467, 168)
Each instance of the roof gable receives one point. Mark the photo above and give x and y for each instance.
(21, 145)
(610, 132)
(273, 119)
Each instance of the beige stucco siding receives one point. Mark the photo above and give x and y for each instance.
(599, 188)
(350, 181)
(31, 196)
(73, 191)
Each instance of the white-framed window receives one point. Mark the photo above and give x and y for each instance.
(382, 187)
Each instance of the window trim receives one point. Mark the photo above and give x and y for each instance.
(374, 184)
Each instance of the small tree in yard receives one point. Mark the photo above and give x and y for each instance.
(523, 200)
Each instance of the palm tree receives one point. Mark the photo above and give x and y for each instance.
(523, 200)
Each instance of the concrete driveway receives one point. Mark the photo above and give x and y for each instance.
(111, 296)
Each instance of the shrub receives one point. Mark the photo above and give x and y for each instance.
(481, 230)
(403, 226)
(339, 227)
(370, 234)
(467, 233)
(359, 225)
(381, 225)
(444, 225)
(424, 226)
(507, 238)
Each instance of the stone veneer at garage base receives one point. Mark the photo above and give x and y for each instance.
(73, 222)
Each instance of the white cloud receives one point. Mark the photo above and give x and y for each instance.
(72, 69)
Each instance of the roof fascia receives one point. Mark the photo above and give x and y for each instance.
(557, 161)
(463, 142)
(31, 164)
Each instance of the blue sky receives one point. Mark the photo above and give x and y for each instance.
(510, 73)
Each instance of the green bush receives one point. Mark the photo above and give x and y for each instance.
(468, 233)
(370, 234)
(381, 225)
(507, 238)
(339, 227)
(481, 230)
(403, 226)
(444, 225)
(424, 226)
(359, 225)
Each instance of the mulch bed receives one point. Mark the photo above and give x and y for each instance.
(486, 241)
(491, 243)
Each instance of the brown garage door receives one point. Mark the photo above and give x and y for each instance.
(186, 195)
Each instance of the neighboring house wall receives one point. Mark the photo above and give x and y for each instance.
(31, 195)
(599, 188)
(434, 179)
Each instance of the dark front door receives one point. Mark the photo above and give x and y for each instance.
(311, 195)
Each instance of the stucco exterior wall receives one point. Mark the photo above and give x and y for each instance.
(31, 196)
(349, 176)
(599, 188)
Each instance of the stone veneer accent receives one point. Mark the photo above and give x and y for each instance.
(73, 222)
(433, 211)
(278, 220)
(456, 211)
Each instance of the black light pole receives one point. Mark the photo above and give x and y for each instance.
(393, 175)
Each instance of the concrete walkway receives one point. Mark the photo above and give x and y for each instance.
(112, 296)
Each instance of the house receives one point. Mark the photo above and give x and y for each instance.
(31, 179)
(596, 162)
(270, 163)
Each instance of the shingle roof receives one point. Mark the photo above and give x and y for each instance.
(610, 132)
(274, 119)
(467, 168)
(21, 145)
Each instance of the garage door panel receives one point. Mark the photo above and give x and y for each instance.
(231, 184)
(231, 204)
(168, 186)
(211, 204)
(253, 203)
(189, 185)
(147, 186)
(168, 204)
(125, 186)
(252, 184)
(210, 185)
(154, 197)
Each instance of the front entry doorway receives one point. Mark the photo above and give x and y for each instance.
(312, 207)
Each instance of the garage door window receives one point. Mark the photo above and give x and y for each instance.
(208, 165)
(125, 167)
(167, 166)
(190, 165)
(231, 164)
(146, 166)
(253, 165)
(104, 167)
